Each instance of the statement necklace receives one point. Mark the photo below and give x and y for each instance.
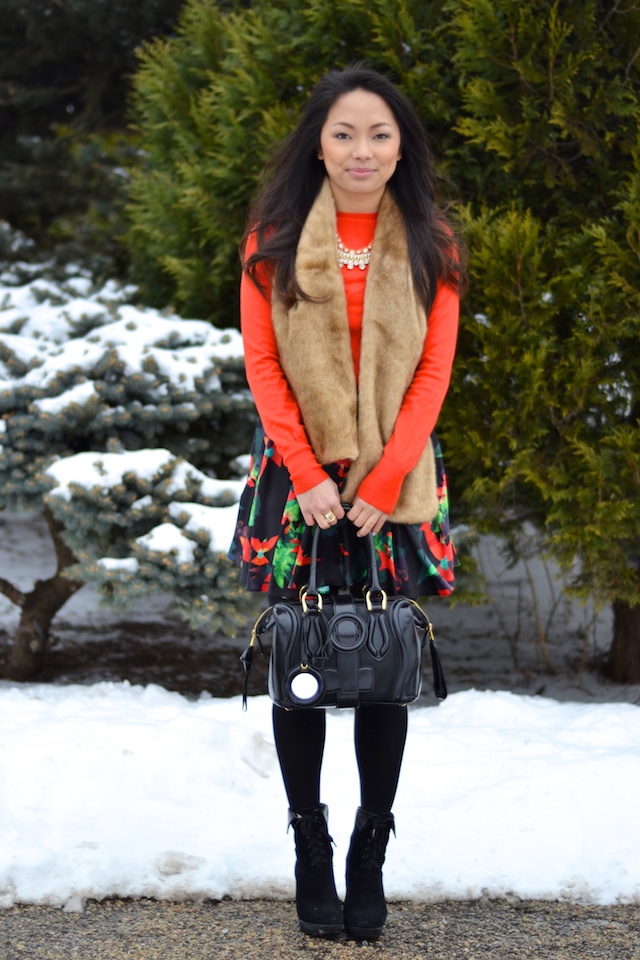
(352, 258)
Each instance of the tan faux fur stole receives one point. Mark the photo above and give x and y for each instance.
(345, 421)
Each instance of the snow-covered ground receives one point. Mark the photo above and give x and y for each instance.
(131, 791)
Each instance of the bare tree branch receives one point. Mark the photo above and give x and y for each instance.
(11, 592)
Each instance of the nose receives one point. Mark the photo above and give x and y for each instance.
(361, 148)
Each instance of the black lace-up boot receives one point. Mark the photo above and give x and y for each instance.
(319, 909)
(365, 909)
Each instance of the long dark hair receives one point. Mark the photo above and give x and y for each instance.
(294, 176)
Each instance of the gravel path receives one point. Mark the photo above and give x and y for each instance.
(267, 930)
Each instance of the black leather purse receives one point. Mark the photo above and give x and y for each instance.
(342, 651)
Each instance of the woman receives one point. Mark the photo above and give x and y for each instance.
(348, 389)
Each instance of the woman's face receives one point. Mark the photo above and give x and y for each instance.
(360, 147)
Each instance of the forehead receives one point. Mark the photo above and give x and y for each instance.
(361, 107)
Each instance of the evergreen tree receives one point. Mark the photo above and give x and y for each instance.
(210, 104)
(115, 422)
(548, 379)
(533, 107)
(64, 76)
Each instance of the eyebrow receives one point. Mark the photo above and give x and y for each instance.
(343, 123)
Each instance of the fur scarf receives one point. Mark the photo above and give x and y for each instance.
(346, 420)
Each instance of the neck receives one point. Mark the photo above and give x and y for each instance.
(356, 203)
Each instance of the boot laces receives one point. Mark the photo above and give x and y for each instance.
(375, 846)
(313, 831)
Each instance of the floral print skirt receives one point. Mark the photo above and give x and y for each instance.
(272, 542)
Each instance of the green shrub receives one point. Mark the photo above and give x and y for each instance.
(210, 104)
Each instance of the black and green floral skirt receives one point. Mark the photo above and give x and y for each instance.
(272, 543)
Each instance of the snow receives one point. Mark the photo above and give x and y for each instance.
(167, 538)
(135, 791)
(122, 564)
(81, 394)
(135, 342)
(82, 286)
(25, 350)
(209, 486)
(97, 469)
(218, 522)
(38, 319)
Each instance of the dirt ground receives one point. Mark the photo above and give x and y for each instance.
(166, 652)
(159, 648)
(529, 637)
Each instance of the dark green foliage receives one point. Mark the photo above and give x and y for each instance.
(533, 109)
(547, 384)
(70, 59)
(64, 74)
(211, 103)
(549, 100)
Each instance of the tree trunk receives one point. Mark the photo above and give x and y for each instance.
(624, 655)
(31, 639)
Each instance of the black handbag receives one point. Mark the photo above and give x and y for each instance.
(342, 651)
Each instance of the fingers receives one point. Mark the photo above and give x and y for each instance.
(321, 505)
(367, 518)
(328, 517)
(308, 517)
(324, 518)
(338, 510)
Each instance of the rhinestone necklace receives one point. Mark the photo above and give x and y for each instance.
(352, 258)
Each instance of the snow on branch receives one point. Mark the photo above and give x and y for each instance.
(121, 419)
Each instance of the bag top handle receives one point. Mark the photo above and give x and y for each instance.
(310, 591)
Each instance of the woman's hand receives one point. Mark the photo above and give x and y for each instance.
(319, 502)
(367, 518)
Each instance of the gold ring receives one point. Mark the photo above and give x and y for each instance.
(330, 517)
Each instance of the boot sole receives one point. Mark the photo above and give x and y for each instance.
(327, 930)
(363, 933)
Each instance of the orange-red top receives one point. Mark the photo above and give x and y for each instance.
(276, 403)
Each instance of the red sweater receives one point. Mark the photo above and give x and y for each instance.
(276, 403)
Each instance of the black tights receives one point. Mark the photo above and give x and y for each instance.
(380, 732)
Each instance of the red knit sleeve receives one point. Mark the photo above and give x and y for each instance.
(274, 400)
(420, 408)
